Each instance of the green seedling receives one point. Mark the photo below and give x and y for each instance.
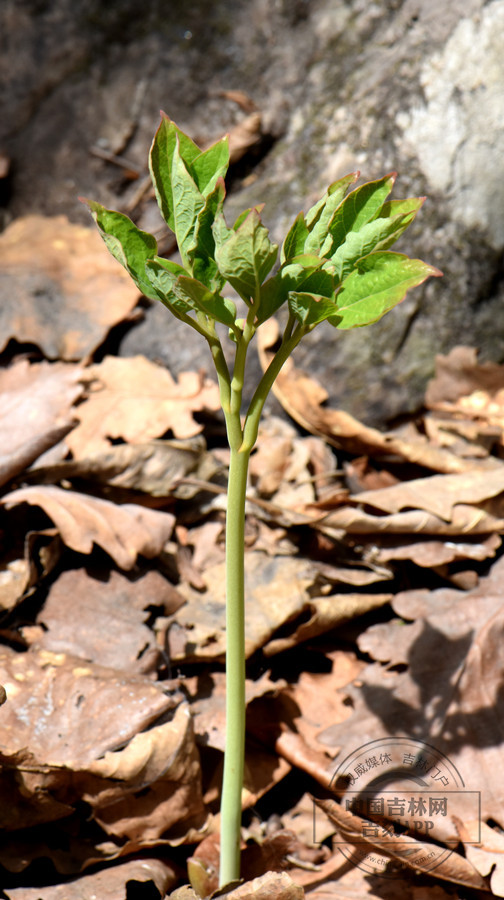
(335, 265)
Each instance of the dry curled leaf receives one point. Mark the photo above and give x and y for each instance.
(458, 374)
(439, 494)
(123, 531)
(113, 883)
(276, 591)
(271, 886)
(82, 612)
(61, 289)
(137, 400)
(35, 411)
(304, 398)
(407, 850)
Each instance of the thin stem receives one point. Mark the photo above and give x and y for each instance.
(231, 805)
(255, 409)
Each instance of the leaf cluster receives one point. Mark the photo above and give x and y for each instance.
(335, 262)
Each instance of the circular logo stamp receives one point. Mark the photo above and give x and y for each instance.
(397, 797)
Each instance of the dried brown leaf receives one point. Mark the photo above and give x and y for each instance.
(123, 531)
(428, 554)
(465, 520)
(327, 613)
(448, 689)
(244, 135)
(35, 411)
(458, 374)
(271, 886)
(137, 400)
(152, 786)
(68, 712)
(293, 721)
(112, 883)
(439, 494)
(487, 855)
(155, 468)
(276, 592)
(62, 290)
(303, 398)
(82, 613)
(407, 850)
(207, 695)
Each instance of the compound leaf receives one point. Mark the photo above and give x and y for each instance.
(379, 234)
(246, 256)
(322, 211)
(379, 283)
(162, 151)
(290, 277)
(130, 246)
(210, 165)
(201, 299)
(310, 308)
(361, 205)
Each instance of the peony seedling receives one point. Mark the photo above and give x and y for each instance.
(335, 265)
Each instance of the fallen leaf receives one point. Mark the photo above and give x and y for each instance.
(303, 398)
(152, 787)
(429, 554)
(325, 614)
(62, 291)
(271, 886)
(487, 856)
(244, 135)
(69, 712)
(81, 614)
(442, 684)
(458, 374)
(465, 520)
(293, 721)
(207, 695)
(124, 531)
(438, 494)
(137, 400)
(113, 883)
(408, 851)
(276, 592)
(35, 411)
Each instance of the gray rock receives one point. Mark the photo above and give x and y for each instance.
(413, 86)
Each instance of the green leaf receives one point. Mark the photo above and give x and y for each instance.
(202, 251)
(187, 204)
(290, 277)
(379, 234)
(200, 298)
(210, 165)
(311, 308)
(294, 243)
(361, 205)
(400, 207)
(318, 240)
(130, 246)
(162, 275)
(247, 256)
(380, 282)
(167, 138)
(333, 196)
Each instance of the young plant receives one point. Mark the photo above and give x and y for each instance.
(335, 266)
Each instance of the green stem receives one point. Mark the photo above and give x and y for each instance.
(252, 420)
(231, 805)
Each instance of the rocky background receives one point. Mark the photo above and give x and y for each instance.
(325, 87)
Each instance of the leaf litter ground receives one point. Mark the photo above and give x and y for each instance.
(374, 612)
